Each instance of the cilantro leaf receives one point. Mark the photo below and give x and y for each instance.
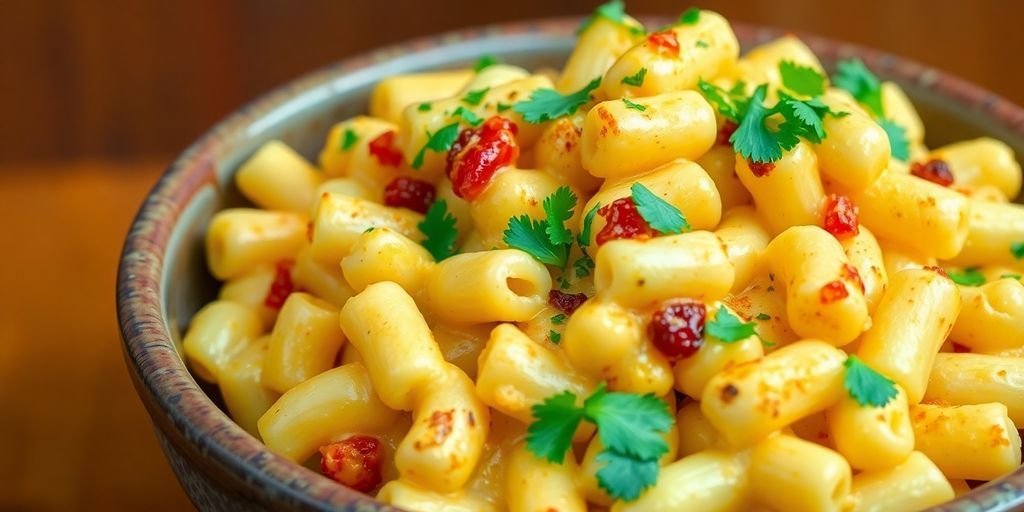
(548, 104)
(662, 216)
(803, 80)
(1011, 276)
(728, 328)
(468, 116)
(485, 61)
(636, 79)
(967, 277)
(584, 265)
(899, 147)
(555, 337)
(634, 106)
(558, 208)
(624, 477)
(802, 119)
(752, 139)
(503, 106)
(865, 385)
(1017, 249)
(530, 236)
(474, 98)
(629, 423)
(690, 16)
(349, 139)
(588, 222)
(613, 11)
(439, 142)
(721, 100)
(558, 319)
(860, 82)
(563, 282)
(438, 228)
(424, 107)
(763, 317)
(555, 422)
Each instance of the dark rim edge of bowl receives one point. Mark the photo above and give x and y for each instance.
(167, 384)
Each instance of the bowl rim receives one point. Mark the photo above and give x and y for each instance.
(183, 411)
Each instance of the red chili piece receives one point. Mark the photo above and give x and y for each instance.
(567, 303)
(282, 285)
(935, 170)
(623, 221)
(725, 133)
(410, 193)
(677, 330)
(841, 216)
(478, 153)
(851, 275)
(664, 41)
(383, 148)
(833, 291)
(354, 462)
(760, 169)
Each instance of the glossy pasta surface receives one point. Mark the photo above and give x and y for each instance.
(666, 276)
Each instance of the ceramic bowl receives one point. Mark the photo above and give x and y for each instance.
(163, 280)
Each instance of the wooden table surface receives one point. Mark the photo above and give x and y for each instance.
(73, 433)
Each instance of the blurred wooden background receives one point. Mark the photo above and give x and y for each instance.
(96, 97)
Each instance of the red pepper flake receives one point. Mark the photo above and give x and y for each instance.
(478, 153)
(664, 41)
(939, 270)
(677, 330)
(935, 170)
(841, 216)
(623, 221)
(833, 291)
(416, 195)
(354, 462)
(960, 349)
(383, 148)
(725, 133)
(851, 275)
(760, 169)
(282, 285)
(567, 303)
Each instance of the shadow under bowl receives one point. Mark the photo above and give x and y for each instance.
(162, 279)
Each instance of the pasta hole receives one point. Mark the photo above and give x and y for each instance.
(521, 287)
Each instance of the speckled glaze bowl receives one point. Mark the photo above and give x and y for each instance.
(163, 280)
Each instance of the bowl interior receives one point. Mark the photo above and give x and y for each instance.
(301, 112)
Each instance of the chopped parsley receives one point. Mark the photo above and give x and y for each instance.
(630, 427)
(438, 228)
(555, 337)
(558, 319)
(549, 104)
(438, 142)
(485, 61)
(763, 317)
(690, 16)
(468, 116)
(898, 144)
(503, 106)
(1016, 277)
(369, 229)
(548, 241)
(563, 282)
(702, 44)
(584, 266)
(865, 385)
(473, 98)
(1017, 249)
(613, 11)
(730, 103)
(588, 222)
(634, 106)
(424, 107)
(803, 80)
(349, 139)
(636, 79)
(662, 216)
(728, 328)
(967, 277)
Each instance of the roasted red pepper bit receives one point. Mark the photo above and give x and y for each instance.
(664, 41)
(841, 216)
(760, 169)
(403, 192)
(478, 153)
(850, 274)
(677, 330)
(354, 462)
(935, 170)
(623, 221)
(725, 133)
(567, 303)
(383, 148)
(282, 285)
(833, 291)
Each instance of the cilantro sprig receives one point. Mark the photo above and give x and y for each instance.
(549, 104)
(629, 425)
(473, 98)
(867, 386)
(438, 228)
(613, 11)
(803, 80)
(661, 215)
(467, 116)
(853, 76)
(1017, 250)
(485, 61)
(898, 144)
(349, 139)
(728, 328)
(439, 142)
(690, 16)
(548, 241)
